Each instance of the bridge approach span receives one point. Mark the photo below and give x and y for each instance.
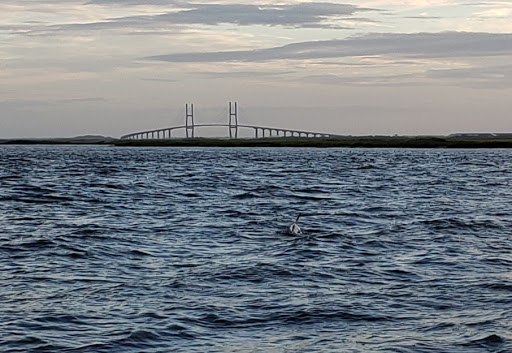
(259, 132)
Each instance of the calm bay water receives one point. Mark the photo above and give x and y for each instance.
(107, 249)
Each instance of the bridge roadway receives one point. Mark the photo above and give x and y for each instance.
(259, 132)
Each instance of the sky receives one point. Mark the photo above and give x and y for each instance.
(375, 67)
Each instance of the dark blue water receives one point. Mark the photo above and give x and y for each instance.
(107, 249)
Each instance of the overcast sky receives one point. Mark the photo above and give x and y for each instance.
(111, 67)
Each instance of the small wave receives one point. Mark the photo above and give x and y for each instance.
(400, 274)
(267, 188)
(29, 245)
(10, 177)
(498, 261)
(26, 341)
(77, 255)
(61, 319)
(312, 316)
(180, 331)
(139, 252)
(256, 273)
(366, 166)
(492, 340)
(462, 224)
(142, 335)
(288, 317)
(38, 199)
(190, 194)
(439, 327)
(90, 230)
(114, 186)
(311, 197)
(153, 315)
(246, 195)
(506, 287)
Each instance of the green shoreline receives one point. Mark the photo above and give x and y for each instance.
(350, 142)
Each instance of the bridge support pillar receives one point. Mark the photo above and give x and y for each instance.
(233, 120)
(189, 120)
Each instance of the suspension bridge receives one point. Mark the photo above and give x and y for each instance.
(233, 128)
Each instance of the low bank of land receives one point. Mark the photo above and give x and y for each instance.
(349, 141)
(361, 142)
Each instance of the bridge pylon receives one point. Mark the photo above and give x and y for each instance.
(189, 120)
(233, 120)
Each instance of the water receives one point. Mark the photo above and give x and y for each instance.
(107, 249)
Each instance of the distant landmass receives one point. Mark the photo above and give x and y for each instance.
(485, 135)
(457, 140)
(77, 140)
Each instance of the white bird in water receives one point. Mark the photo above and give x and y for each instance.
(294, 228)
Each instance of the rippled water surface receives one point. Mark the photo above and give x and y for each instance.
(107, 249)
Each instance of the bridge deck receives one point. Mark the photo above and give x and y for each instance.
(259, 132)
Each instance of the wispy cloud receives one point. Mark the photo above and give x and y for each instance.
(477, 77)
(408, 3)
(366, 80)
(449, 44)
(81, 100)
(307, 14)
(30, 103)
(495, 13)
(173, 14)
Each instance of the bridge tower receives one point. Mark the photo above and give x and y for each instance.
(189, 120)
(233, 120)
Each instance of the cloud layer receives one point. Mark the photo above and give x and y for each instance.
(165, 14)
(452, 44)
(65, 61)
(307, 14)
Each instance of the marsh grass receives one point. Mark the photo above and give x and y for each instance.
(361, 142)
